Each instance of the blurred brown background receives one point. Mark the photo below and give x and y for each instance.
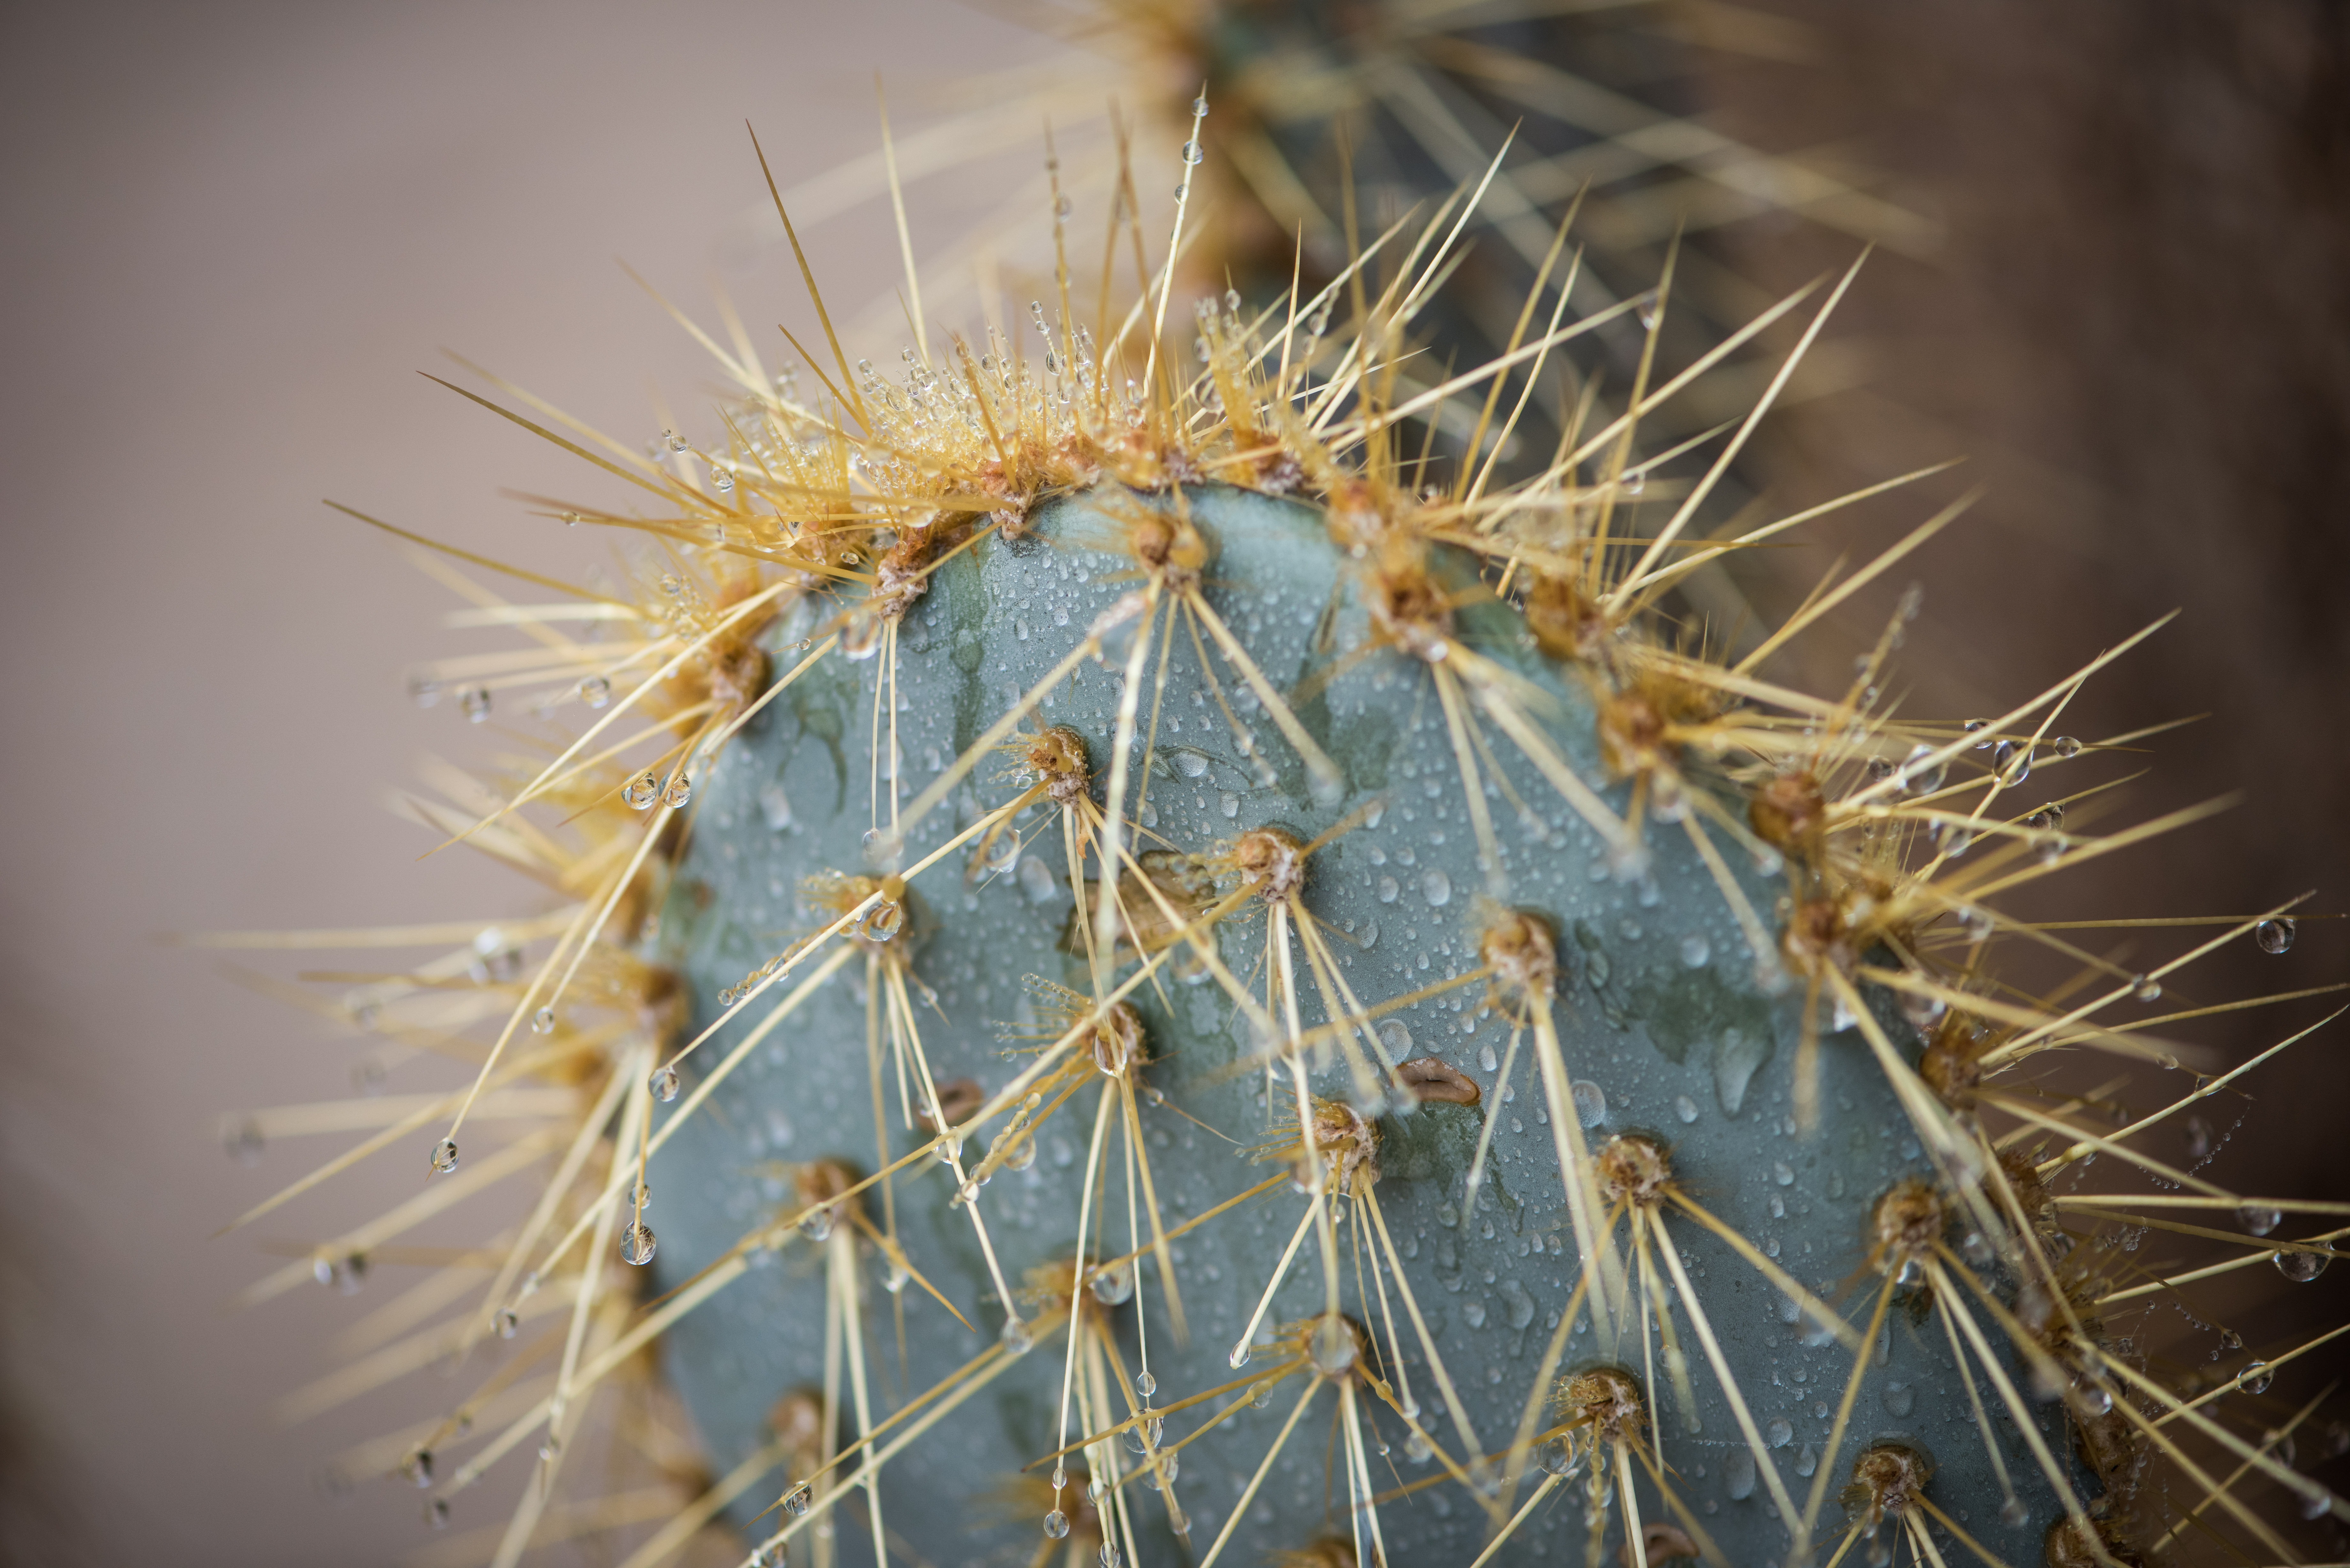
(2138, 328)
(233, 232)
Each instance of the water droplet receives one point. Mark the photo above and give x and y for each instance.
(2198, 1138)
(509, 1323)
(1238, 1357)
(884, 920)
(776, 807)
(1735, 1062)
(444, 1156)
(816, 1225)
(641, 791)
(1779, 1433)
(1685, 1108)
(1056, 1525)
(1738, 1474)
(1145, 1384)
(1332, 1349)
(680, 793)
(1388, 889)
(595, 691)
(1807, 1461)
(1229, 803)
(2275, 936)
(2255, 1377)
(418, 1467)
(436, 1513)
(1473, 1315)
(2013, 1513)
(1696, 951)
(1417, 1448)
(1035, 879)
(2066, 748)
(637, 1244)
(2145, 988)
(1783, 1174)
(1182, 190)
(1436, 888)
(1517, 1306)
(1017, 1340)
(2012, 763)
(2302, 1266)
(663, 1083)
(1191, 152)
(1590, 1102)
(1112, 1285)
(795, 1502)
(543, 1021)
(1900, 1399)
(1199, 111)
(1395, 1036)
(1924, 780)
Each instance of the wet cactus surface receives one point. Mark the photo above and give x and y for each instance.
(1665, 1031)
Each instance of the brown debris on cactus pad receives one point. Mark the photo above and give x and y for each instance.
(1431, 1078)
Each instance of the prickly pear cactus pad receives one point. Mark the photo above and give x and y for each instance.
(1139, 963)
(1647, 1035)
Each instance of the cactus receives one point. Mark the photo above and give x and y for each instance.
(1177, 985)
(1627, 1007)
